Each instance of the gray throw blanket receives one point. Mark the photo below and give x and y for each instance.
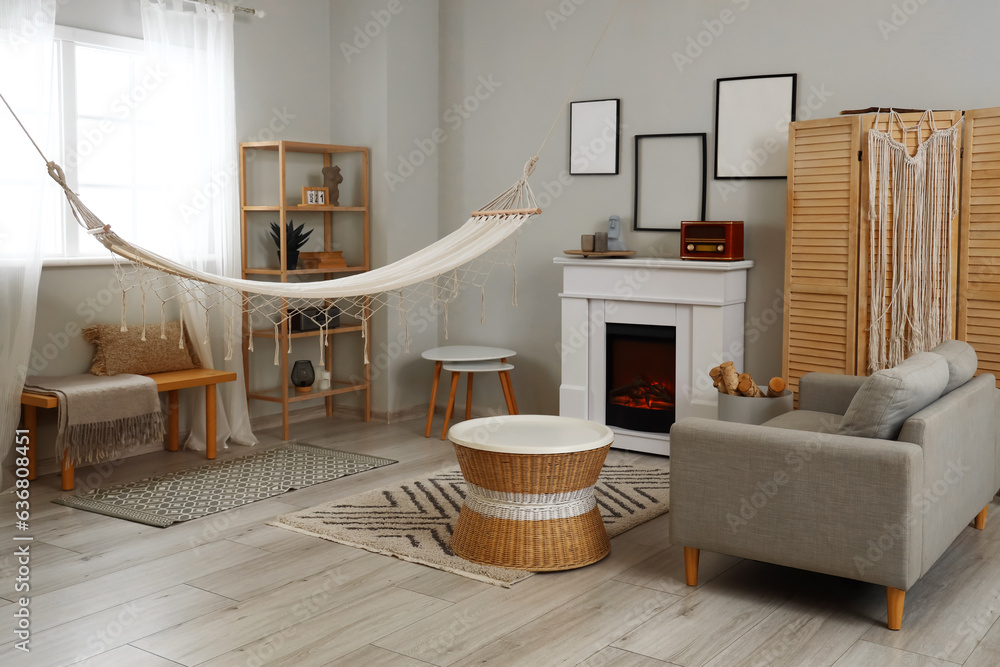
(102, 417)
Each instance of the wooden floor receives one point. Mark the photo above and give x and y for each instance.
(229, 590)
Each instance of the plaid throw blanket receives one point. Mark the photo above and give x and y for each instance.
(102, 417)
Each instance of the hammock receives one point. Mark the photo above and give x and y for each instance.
(922, 190)
(464, 257)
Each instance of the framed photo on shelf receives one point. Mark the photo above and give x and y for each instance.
(593, 137)
(670, 174)
(751, 126)
(315, 196)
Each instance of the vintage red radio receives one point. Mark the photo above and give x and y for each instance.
(712, 240)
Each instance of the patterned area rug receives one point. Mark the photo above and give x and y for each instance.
(222, 485)
(414, 520)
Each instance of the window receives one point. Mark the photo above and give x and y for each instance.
(121, 115)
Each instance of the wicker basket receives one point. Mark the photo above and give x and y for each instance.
(533, 518)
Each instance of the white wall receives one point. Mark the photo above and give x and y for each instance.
(847, 55)
(384, 82)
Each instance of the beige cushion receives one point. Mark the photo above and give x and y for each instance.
(891, 396)
(962, 362)
(124, 351)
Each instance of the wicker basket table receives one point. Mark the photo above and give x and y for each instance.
(530, 502)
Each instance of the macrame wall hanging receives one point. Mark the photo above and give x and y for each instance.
(912, 200)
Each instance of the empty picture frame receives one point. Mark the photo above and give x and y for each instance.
(670, 174)
(593, 137)
(751, 126)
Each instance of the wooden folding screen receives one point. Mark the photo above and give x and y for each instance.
(821, 257)
(979, 281)
(827, 244)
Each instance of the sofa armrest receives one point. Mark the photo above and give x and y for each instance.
(828, 392)
(828, 503)
(958, 434)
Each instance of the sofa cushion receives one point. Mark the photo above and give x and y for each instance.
(806, 420)
(962, 362)
(889, 397)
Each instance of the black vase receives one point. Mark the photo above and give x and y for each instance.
(303, 374)
(291, 259)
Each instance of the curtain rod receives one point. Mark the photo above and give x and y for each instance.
(235, 8)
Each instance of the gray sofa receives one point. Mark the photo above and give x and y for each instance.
(870, 479)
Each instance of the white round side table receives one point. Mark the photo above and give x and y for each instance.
(466, 355)
(530, 501)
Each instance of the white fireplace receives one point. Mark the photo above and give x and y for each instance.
(694, 308)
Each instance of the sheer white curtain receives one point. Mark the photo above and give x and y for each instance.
(28, 198)
(192, 48)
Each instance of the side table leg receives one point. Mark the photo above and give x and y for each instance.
(451, 404)
(31, 426)
(468, 397)
(434, 391)
(209, 421)
(173, 420)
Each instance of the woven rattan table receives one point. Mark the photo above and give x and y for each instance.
(530, 502)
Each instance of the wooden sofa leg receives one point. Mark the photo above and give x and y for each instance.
(691, 565)
(981, 519)
(894, 602)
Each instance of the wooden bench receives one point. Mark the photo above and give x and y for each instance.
(171, 382)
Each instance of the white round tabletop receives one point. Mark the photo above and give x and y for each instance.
(467, 353)
(531, 434)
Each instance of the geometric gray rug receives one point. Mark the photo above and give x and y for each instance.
(221, 485)
(414, 520)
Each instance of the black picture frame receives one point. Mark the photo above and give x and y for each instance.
(595, 128)
(693, 209)
(751, 126)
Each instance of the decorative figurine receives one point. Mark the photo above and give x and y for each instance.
(614, 234)
(332, 178)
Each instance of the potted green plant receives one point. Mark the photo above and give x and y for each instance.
(295, 238)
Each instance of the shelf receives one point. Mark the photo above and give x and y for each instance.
(274, 395)
(302, 272)
(269, 333)
(302, 147)
(300, 207)
(332, 209)
(286, 206)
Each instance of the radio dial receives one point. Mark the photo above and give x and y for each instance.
(690, 247)
(720, 248)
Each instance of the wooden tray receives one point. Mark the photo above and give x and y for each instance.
(594, 253)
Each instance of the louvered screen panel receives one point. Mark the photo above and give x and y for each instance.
(821, 248)
(942, 120)
(979, 291)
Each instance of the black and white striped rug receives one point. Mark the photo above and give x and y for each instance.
(414, 520)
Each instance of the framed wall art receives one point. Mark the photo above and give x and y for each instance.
(594, 128)
(670, 175)
(751, 126)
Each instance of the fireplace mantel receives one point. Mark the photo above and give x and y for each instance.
(703, 300)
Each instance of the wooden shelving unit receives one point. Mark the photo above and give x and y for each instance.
(283, 393)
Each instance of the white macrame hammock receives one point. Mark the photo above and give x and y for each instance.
(923, 192)
(439, 272)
